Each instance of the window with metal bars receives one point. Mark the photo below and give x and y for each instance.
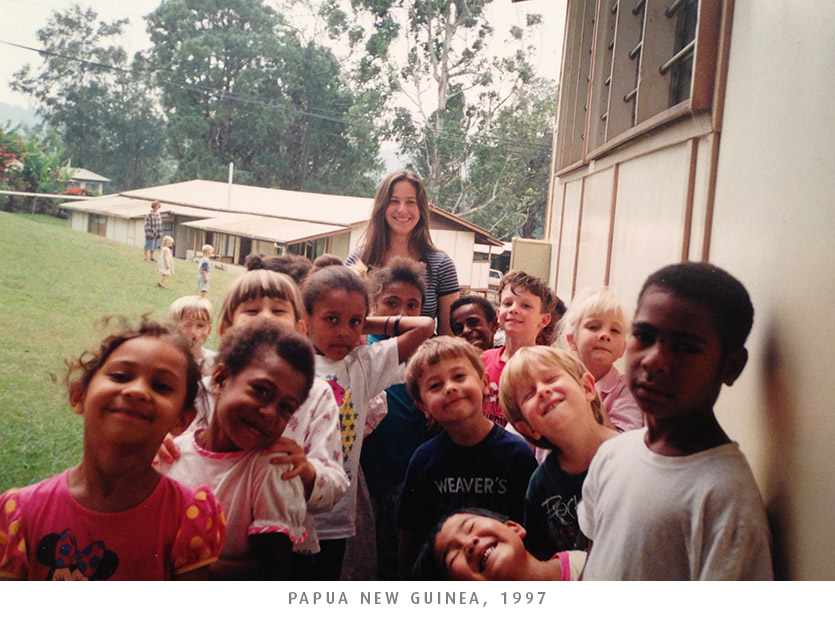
(630, 66)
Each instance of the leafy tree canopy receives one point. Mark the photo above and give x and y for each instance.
(241, 85)
(87, 92)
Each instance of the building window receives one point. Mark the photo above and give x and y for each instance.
(310, 249)
(630, 66)
(97, 224)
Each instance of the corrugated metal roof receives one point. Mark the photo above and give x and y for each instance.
(133, 208)
(206, 199)
(274, 229)
(112, 205)
(298, 205)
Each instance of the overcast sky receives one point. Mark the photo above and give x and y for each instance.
(23, 18)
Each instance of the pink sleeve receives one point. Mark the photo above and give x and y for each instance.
(201, 534)
(13, 561)
(565, 565)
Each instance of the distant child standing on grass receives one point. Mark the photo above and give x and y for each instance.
(113, 516)
(204, 270)
(165, 265)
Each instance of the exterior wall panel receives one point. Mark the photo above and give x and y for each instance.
(594, 230)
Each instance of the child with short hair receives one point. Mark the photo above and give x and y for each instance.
(336, 301)
(594, 328)
(113, 516)
(549, 397)
(312, 438)
(204, 270)
(193, 316)
(264, 371)
(474, 319)
(677, 500)
(395, 289)
(165, 264)
(474, 462)
(474, 544)
(525, 304)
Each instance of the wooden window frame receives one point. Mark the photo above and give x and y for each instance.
(617, 76)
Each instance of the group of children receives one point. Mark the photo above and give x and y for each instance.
(332, 436)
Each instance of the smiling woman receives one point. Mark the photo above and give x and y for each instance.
(399, 227)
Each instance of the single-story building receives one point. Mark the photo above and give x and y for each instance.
(239, 219)
(85, 179)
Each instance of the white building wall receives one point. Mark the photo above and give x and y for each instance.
(459, 246)
(78, 221)
(773, 227)
(649, 217)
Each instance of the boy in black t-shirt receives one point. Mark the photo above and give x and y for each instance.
(473, 463)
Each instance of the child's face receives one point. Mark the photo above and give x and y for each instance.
(267, 307)
(478, 548)
(674, 361)
(520, 313)
(136, 396)
(552, 401)
(197, 329)
(451, 390)
(399, 298)
(337, 322)
(254, 406)
(599, 341)
(468, 321)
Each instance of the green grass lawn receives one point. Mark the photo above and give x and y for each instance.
(55, 283)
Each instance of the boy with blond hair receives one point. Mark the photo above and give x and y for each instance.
(473, 462)
(550, 398)
(677, 499)
(193, 317)
(525, 305)
(204, 270)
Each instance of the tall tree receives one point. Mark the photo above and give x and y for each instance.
(240, 85)
(453, 83)
(507, 176)
(86, 91)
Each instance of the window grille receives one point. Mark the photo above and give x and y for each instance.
(629, 66)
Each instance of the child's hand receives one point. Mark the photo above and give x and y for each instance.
(292, 453)
(168, 451)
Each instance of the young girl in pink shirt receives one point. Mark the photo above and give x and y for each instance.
(594, 329)
(113, 516)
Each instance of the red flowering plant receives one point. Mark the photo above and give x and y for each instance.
(77, 191)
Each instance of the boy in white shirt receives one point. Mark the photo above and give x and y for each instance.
(677, 499)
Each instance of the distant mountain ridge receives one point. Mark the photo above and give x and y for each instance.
(17, 116)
